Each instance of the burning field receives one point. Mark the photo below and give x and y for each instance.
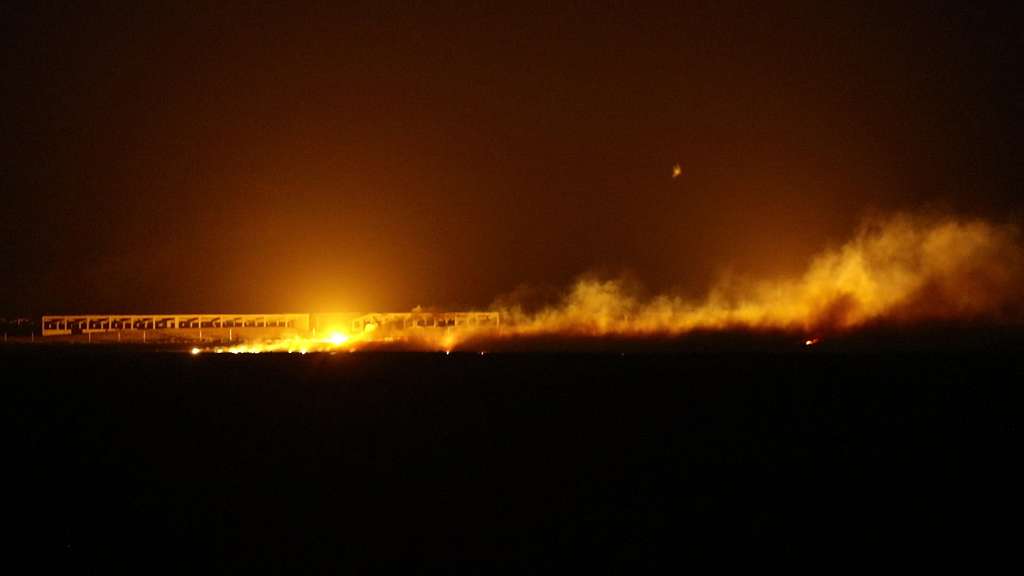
(902, 271)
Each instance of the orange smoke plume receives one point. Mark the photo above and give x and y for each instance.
(903, 269)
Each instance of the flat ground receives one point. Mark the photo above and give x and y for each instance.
(525, 461)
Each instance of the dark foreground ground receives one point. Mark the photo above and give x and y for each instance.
(466, 463)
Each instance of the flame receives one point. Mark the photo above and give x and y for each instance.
(370, 338)
(333, 342)
(903, 270)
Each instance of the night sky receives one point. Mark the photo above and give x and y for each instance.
(257, 158)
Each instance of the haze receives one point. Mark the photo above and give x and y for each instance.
(257, 158)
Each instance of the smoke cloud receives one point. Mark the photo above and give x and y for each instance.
(902, 269)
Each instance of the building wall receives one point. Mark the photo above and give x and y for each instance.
(228, 327)
(184, 324)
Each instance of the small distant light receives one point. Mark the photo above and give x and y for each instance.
(447, 352)
(196, 351)
(810, 342)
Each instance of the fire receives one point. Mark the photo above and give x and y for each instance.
(901, 270)
(333, 342)
(370, 337)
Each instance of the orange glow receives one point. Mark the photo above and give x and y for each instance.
(371, 337)
(901, 270)
(335, 341)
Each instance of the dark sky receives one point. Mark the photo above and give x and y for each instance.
(275, 158)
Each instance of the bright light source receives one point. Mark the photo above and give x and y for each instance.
(196, 351)
(337, 338)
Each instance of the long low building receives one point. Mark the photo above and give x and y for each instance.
(86, 324)
(232, 326)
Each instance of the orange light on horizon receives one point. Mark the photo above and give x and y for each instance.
(902, 269)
